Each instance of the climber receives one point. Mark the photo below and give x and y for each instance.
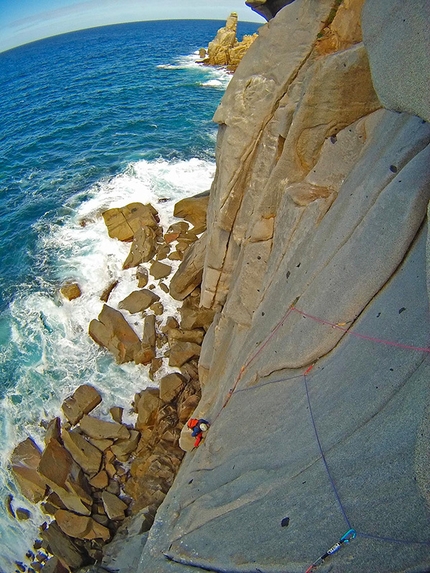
(197, 427)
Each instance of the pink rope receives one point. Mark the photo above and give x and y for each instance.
(358, 335)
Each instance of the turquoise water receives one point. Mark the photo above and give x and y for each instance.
(89, 120)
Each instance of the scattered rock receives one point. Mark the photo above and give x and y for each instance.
(53, 430)
(81, 526)
(70, 291)
(138, 300)
(100, 481)
(84, 399)
(63, 547)
(22, 514)
(157, 308)
(187, 408)
(190, 271)
(123, 448)
(148, 337)
(147, 407)
(107, 292)
(142, 276)
(160, 270)
(116, 412)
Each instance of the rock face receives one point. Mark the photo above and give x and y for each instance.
(314, 370)
(267, 8)
(225, 50)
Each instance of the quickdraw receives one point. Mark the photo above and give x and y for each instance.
(349, 536)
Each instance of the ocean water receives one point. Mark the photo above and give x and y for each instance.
(89, 120)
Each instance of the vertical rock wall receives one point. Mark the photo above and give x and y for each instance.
(315, 370)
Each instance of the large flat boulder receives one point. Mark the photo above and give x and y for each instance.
(112, 331)
(123, 222)
(25, 460)
(193, 209)
(83, 400)
(101, 429)
(139, 300)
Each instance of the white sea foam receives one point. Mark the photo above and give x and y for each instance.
(49, 335)
(210, 76)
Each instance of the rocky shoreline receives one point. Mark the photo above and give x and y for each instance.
(96, 477)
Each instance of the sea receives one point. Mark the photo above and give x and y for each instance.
(89, 120)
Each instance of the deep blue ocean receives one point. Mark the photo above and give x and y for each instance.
(89, 120)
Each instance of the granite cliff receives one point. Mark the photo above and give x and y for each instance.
(315, 369)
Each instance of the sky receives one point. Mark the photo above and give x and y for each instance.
(23, 21)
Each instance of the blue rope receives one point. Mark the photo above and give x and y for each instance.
(342, 509)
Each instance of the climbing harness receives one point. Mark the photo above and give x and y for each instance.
(349, 536)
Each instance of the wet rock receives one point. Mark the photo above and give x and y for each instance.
(115, 508)
(25, 460)
(84, 399)
(100, 429)
(170, 386)
(116, 412)
(144, 355)
(22, 514)
(108, 290)
(53, 431)
(8, 504)
(71, 291)
(122, 223)
(157, 308)
(142, 277)
(138, 301)
(112, 331)
(148, 337)
(160, 270)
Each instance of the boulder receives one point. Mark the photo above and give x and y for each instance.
(80, 526)
(181, 352)
(116, 412)
(102, 445)
(84, 399)
(122, 223)
(85, 454)
(115, 508)
(193, 209)
(53, 430)
(192, 317)
(171, 385)
(22, 514)
(63, 547)
(25, 459)
(107, 291)
(147, 405)
(177, 334)
(187, 407)
(100, 429)
(112, 331)
(149, 333)
(144, 355)
(143, 247)
(123, 448)
(70, 291)
(100, 481)
(65, 478)
(190, 271)
(160, 270)
(138, 300)
(142, 276)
